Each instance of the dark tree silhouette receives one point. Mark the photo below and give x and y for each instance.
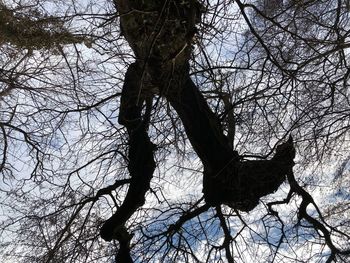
(130, 131)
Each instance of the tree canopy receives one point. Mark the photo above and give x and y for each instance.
(175, 131)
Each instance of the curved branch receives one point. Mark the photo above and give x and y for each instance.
(141, 162)
(306, 200)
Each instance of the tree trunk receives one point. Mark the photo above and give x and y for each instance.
(160, 33)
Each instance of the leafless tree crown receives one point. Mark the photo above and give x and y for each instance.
(174, 131)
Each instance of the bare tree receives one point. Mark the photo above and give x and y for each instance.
(178, 131)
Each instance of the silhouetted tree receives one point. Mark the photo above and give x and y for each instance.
(178, 131)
